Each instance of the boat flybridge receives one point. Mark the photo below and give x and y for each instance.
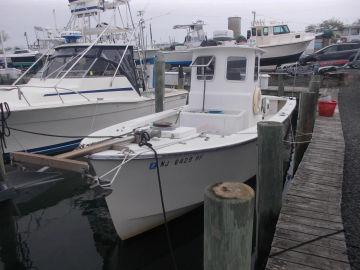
(280, 45)
(210, 139)
(182, 55)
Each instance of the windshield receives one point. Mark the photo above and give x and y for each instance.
(281, 29)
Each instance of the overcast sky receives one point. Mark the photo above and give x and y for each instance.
(19, 16)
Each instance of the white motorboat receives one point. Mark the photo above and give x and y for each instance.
(280, 45)
(76, 101)
(182, 54)
(87, 84)
(211, 139)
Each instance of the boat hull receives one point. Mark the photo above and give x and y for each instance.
(73, 121)
(282, 54)
(178, 58)
(134, 203)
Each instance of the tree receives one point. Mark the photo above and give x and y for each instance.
(311, 28)
(332, 24)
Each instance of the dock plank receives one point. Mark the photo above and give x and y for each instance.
(309, 232)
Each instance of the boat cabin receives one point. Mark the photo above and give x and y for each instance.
(268, 30)
(225, 94)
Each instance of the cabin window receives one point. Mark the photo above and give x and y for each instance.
(253, 32)
(236, 68)
(281, 29)
(256, 69)
(205, 67)
(258, 32)
(266, 31)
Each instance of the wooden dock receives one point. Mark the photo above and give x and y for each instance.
(309, 233)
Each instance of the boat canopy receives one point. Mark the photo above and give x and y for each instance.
(99, 61)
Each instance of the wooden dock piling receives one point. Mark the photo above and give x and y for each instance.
(2, 167)
(228, 226)
(269, 186)
(159, 82)
(315, 84)
(281, 85)
(305, 125)
(181, 78)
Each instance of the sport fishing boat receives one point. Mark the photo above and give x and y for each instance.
(83, 86)
(73, 96)
(280, 45)
(211, 139)
(182, 54)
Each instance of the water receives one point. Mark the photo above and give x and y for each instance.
(64, 226)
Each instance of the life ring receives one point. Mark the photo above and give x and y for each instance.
(257, 100)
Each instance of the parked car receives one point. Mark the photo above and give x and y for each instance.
(335, 54)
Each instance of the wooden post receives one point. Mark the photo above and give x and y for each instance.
(305, 125)
(281, 89)
(269, 186)
(2, 168)
(228, 226)
(159, 82)
(315, 84)
(181, 78)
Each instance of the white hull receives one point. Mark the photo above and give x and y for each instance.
(213, 139)
(286, 53)
(135, 204)
(74, 120)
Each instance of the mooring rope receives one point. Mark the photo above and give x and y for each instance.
(144, 141)
(5, 130)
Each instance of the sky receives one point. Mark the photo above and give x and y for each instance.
(19, 16)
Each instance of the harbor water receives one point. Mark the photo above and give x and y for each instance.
(66, 225)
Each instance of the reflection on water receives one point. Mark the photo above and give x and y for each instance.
(63, 226)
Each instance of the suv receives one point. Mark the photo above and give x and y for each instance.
(338, 54)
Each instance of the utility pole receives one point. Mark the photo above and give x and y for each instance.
(3, 48)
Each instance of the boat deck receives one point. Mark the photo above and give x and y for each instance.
(310, 232)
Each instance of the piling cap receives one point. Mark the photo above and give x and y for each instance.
(233, 190)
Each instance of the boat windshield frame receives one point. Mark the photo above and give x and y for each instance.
(99, 61)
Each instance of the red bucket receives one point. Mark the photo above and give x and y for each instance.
(327, 108)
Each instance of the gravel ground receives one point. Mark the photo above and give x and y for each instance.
(349, 106)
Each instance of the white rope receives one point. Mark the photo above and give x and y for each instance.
(117, 168)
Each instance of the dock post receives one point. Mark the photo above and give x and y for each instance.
(181, 78)
(159, 82)
(2, 168)
(228, 226)
(315, 84)
(281, 89)
(305, 125)
(269, 187)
